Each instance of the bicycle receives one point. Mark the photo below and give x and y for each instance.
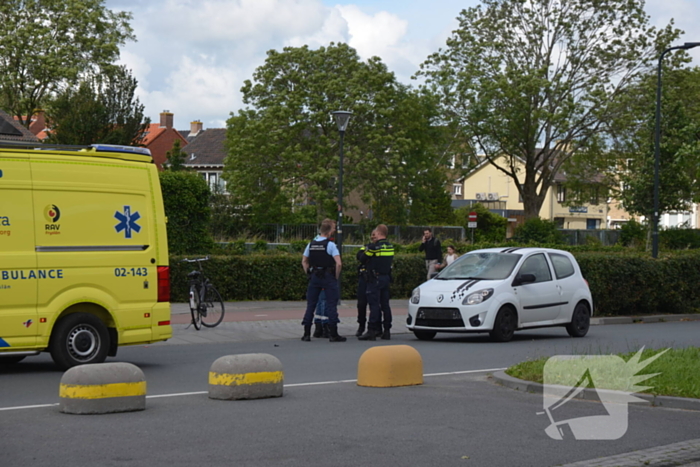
(206, 305)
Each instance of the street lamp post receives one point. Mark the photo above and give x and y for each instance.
(657, 146)
(342, 118)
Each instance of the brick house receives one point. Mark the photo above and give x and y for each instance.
(159, 138)
(12, 130)
(206, 153)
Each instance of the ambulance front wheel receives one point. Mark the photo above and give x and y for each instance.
(77, 339)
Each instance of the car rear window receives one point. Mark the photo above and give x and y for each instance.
(562, 265)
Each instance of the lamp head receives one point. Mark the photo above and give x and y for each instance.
(342, 118)
(690, 45)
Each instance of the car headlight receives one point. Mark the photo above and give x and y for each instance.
(477, 297)
(415, 296)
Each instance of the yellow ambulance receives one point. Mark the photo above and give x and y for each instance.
(83, 252)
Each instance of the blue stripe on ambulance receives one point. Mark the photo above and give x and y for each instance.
(3, 343)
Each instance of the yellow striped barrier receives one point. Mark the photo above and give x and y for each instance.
(390, 366)
(246, 376)
(102, 388)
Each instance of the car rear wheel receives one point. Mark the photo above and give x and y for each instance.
(580, 321)
(424, 335)
(504, 325)
(77, 339)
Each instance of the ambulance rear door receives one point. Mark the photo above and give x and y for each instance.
(18, 262)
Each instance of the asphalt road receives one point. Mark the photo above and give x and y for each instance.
(460, 418)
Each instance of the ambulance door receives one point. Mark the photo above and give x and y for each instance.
(18, 275)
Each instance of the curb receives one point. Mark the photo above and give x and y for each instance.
(666, 402)
(643, 319)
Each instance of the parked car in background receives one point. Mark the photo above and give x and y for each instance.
(500, 291)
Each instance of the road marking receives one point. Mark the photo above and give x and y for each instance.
(295, 385)
(28, 407)
(260, 315)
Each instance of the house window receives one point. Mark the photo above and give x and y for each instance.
(457, 189)
(561, 193)
(594, 195)
(559, 221)
(592, 224)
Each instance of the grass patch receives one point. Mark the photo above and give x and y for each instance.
(679, 372)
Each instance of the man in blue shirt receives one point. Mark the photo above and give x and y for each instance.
(321, 260)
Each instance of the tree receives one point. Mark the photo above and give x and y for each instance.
(186, 202)
(679, 153)
(47, 44)
(102, 109)
(532, 83)
(176, 158)
(283, 149)
(490, 227)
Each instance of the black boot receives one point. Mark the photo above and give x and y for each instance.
(333, 328)
(387, 335)
(370, 335)
(326, 330)
(307, 334)
(360, 330)
(318, 330)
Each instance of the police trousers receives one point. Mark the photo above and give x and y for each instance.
(378, 299)
(317, 283)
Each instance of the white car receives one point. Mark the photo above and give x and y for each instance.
(500, 291)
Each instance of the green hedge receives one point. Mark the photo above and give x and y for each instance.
(634, 284)
(622, 283)
(280, 277)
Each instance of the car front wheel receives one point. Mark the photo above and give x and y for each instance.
(580, 321)
(504, 325)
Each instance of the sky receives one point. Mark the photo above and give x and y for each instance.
(191, 57)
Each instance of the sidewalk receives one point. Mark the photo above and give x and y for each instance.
(251, 321)
(271, 320)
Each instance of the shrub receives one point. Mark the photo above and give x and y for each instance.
(537, 230)
(633, 234)
(679, 238)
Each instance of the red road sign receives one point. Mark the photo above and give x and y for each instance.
(472, 216)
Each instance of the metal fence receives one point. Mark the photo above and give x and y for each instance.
(355, 233)
(583, 237)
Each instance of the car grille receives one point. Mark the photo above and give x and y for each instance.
(439, 317)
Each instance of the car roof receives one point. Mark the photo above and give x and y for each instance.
(519, 250)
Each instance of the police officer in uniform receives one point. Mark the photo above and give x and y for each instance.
(379, 256)
(362, 287)
(321, 260)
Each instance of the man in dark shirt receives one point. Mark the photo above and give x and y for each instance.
(433, 251)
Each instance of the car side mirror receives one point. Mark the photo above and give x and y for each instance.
(524, 279)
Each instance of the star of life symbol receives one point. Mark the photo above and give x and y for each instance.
(567, 376)
(127, 221)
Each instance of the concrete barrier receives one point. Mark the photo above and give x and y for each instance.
(102, 388)
(390, 366)
(246, 376)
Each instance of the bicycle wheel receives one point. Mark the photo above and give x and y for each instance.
(211, 308)
(194, 307)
